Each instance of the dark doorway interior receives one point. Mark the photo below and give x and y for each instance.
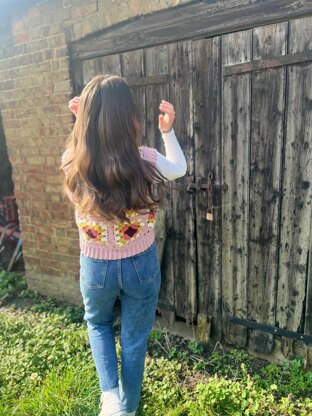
(6, 183)
(10, 241)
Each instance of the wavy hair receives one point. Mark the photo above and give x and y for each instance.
(102, 168)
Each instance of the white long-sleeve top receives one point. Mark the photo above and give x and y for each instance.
(173, 164)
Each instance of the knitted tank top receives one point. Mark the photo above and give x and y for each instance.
(112, 240)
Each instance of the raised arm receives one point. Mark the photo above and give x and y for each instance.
(173, 164)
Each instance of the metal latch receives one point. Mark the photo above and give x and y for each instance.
(209, 186)
(199, 186)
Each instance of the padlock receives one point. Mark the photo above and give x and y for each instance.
(209, 216)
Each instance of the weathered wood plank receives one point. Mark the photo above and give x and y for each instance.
(308, 310)
(76, 74)
(268, 102)
(152, 80)
(183, 204)
(295, 58)
(190, 21)
(110, 64)
(156, 66)
(132, 65)
(297, 186)
(236, 48)
(90, 68)
(300, 39)
(207, 139)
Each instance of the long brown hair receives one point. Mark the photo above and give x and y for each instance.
(105, 173)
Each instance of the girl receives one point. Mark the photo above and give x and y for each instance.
(110, 178)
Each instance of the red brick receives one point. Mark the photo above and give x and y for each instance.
(6, 85)
(35, 187)
(57, 41)
(22, 37)
(72, 234)
(34, 11)
(55, 197)
(31, 260)
(36, 178)
(35, 160)
(21, 60)
(49, 270)
(43, 238)
(61, 216)
(78, 12)
(49, 263)
(53, 179)
(20, 195)
(30, 244)
(57, 16)
(34, 22)
(18, 26)
(55, 206)
(33, 170)
(42, 253)
(64, 258)
(11, 124)
(60, 98)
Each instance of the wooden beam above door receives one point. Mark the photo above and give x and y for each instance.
(194, 20)
(295, 58)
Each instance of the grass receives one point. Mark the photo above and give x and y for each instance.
(46, 368)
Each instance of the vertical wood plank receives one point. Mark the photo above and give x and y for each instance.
(90, 68)
(207, 138)
(132, 66)
(156, 63)
(110, 64)
(183, 203)
(269, 41)
(236, 48)
(308, 310)
(76, 71)
(297, 188)
(268, 97)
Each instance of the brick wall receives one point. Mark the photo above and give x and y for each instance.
(35, 87)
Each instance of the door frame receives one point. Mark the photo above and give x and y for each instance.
(194, 20)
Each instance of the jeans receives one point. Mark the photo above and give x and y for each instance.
(136, 280)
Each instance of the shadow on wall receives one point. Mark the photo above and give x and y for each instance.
(6, 183)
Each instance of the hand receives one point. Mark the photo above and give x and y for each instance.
(73, 105)
(165, 121)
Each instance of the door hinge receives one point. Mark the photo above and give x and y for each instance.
(271, 329)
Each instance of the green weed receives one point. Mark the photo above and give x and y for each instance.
(46, 368)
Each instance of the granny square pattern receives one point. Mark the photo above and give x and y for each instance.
(151, 219)
(125, 232)
(93, 231)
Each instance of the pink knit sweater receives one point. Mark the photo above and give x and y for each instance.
(102, 239)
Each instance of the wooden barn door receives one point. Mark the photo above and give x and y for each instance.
(153, 74)
(244, 121)
(267, 165)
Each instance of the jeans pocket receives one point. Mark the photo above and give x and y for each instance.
(92, 272)
(147, 265)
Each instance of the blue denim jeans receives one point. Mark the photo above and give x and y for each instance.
(136, 280)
